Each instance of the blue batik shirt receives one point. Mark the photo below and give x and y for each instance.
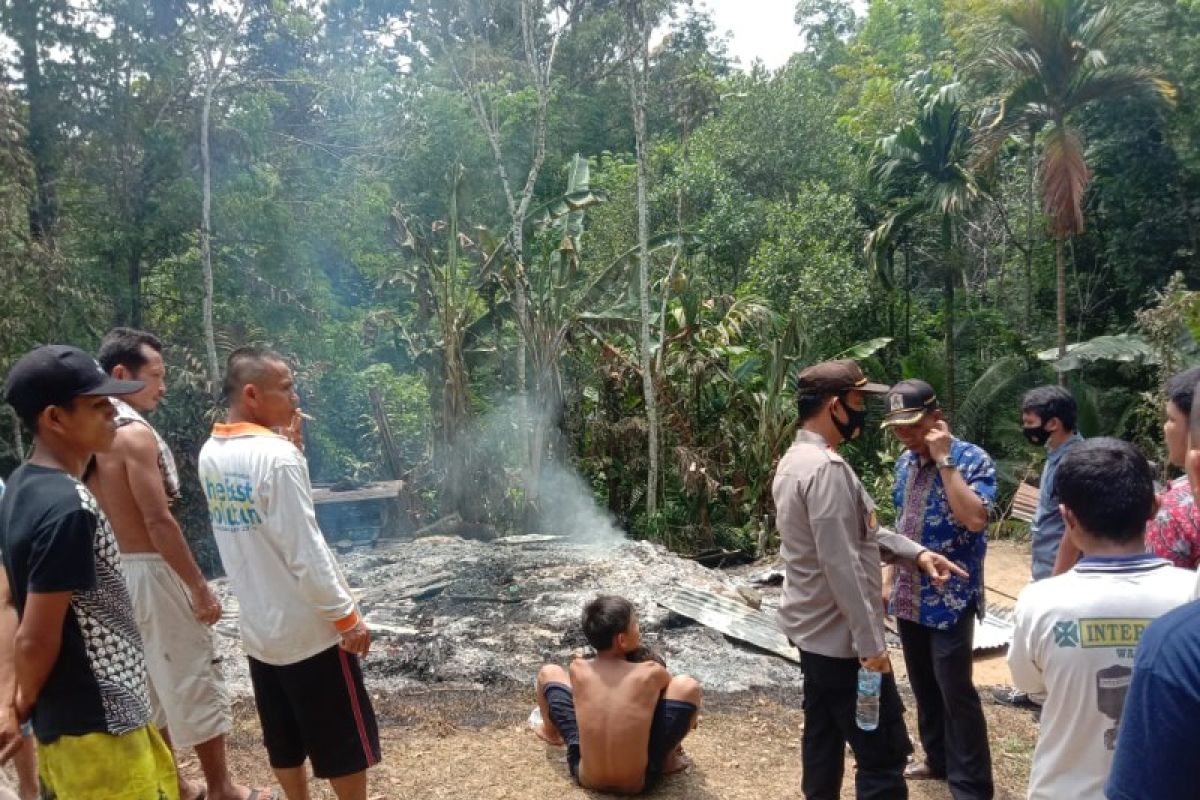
(1048, 526)
(923, 514)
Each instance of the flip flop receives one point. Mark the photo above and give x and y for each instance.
(262, 794)
(920, 771)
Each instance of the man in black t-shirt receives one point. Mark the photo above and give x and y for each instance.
(79, 664)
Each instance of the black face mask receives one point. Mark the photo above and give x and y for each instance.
(855, 419)
(1037, 435)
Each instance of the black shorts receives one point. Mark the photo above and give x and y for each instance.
(672, 722)
(318, 709)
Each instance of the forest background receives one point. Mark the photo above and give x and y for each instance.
(518, 247)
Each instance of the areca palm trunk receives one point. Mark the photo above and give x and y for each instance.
(1060, 279)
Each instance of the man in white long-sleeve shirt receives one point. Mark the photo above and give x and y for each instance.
(1076, 634)
(300, 626)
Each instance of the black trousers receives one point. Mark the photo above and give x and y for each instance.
(830, 696)
(949, 714)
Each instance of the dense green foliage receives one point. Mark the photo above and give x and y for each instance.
(431, 207)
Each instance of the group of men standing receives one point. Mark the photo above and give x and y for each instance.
(1099, 579)
(106, 642)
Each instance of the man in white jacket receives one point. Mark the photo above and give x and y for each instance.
(300, 626)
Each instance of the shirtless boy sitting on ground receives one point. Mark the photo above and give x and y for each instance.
(621, 714)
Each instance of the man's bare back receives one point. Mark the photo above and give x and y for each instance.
(614, 704)
(111, 481)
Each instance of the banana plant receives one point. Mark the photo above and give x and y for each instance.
(563, 296)
(443, 275)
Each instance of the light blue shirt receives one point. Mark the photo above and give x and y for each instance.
(1048, 526)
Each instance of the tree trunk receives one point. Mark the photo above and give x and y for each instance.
(891, 292)
(1029, 234)
(214, 73)
(210, 340)
(948, 300)
(135, 290)
(40, 133)
(907, 301)
(637, 91)
(1060, 279)
(454, 412)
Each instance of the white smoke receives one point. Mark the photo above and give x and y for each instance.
(497, 442)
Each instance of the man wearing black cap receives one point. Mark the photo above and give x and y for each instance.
(944, 492)
(79, 663)
(832, 545)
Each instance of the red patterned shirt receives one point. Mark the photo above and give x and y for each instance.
(1174, 533)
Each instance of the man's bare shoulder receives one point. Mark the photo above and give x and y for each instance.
(580, 667)
(653, 673)
(135, 441)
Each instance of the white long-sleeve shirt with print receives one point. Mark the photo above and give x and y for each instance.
(1074, 642)
(294, 599)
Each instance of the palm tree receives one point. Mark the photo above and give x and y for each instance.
(1055, 66)
(922, 168)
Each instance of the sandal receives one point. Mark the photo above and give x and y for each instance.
(920, 771)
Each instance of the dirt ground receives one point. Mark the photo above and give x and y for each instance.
(477, 745)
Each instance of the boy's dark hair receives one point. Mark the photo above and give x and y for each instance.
(604, 617)
(809, 403)
(246, 365)
(1051, 402)
(123, 346)
(1181, 389)
(1087, 477)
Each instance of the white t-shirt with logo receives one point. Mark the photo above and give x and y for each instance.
(293, 597)
(1074, 642)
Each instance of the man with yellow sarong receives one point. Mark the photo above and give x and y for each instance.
(80, 669)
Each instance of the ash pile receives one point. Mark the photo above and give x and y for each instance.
(463, 614)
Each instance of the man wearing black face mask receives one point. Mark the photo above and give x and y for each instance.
(832, 546)
(1048, 419)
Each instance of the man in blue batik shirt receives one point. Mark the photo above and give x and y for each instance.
(944, 493)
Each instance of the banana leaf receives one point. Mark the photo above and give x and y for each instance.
(624, 262)
(1125, 348)
(865, 349)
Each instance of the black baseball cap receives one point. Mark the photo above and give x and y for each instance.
(908, 402)
(835, 377)
(54, 374)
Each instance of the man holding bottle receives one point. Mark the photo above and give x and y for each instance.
(832, 545)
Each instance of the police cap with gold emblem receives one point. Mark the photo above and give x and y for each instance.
(835, 377)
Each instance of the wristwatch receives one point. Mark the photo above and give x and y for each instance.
(947, 462)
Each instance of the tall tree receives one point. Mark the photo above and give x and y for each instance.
(638, 37)
(923, 166)
(1055, 66)
(216, 36)
(483, 49)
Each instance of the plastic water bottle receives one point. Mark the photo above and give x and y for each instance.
(866, 713)
(535, 718)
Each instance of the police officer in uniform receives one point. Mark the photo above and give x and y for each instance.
(832, 609)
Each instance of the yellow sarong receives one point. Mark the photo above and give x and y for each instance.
(100, 766)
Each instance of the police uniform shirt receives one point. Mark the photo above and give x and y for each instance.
(832, 546)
